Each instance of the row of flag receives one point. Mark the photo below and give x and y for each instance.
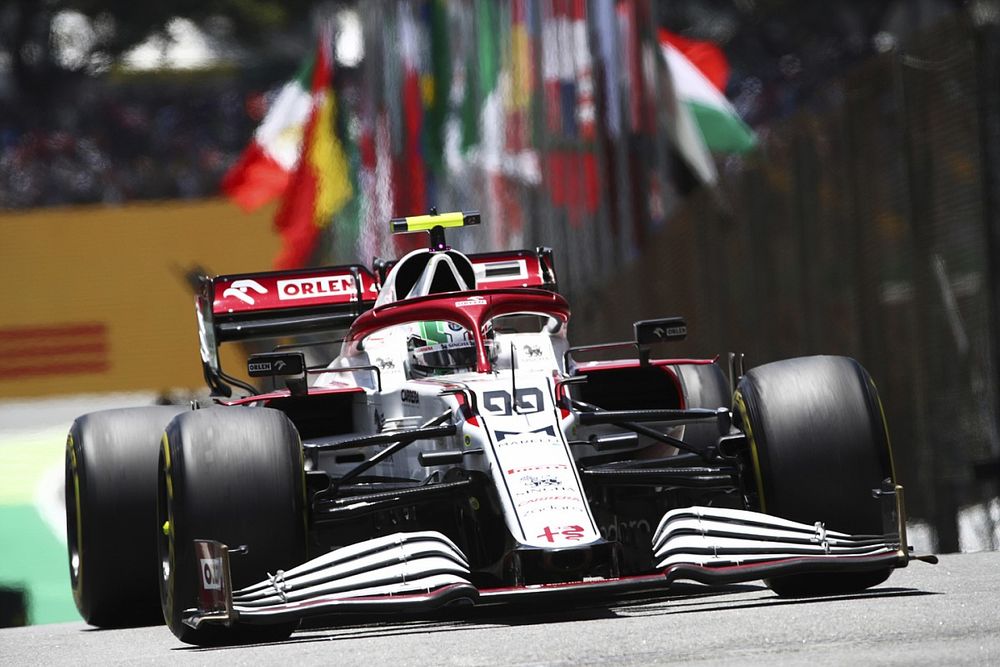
(443, 106)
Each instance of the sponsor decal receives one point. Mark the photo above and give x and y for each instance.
(545, 430)
(211, 574)
(453, 345)
(240, 289)
(551, 466)
(471, 301)
(531, 351)
(273, 363)
(385, 364)
(409, 396)
(543, 487)
(669, 332)
(528, 401)
(267, 366)
(454, 327)
(550, 503)
(536, 482)
(543, 511)
(379, 421)
(635, 531)
(572, 533)
(558, 502)
(311, 288)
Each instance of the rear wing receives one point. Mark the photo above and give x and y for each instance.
(277, 303)
(250, 306)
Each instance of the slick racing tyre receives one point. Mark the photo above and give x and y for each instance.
(111, 514)
(703, 386)
(234, 475)
(820, 447)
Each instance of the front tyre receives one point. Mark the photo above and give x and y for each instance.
(820, 447)
(234, 475)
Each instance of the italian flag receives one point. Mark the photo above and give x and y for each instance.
(699, 71)
(320, 185)
(264, 169)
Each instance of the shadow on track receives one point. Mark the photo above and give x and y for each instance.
(681, 599)
(771, 600)
(500, 615)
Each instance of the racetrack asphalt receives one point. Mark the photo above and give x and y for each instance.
(943, 614)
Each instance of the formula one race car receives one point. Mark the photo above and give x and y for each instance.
(458, 450)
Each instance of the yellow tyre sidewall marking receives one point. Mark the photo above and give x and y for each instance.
(741, 409)
(167, 473)
(75, 472)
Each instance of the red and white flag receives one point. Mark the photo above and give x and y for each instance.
(296, 155)
(264, 169)
(320, 185)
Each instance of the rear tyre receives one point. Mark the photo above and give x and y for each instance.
(703, 386)
(234, 475)
(111, 514)
(819, 446)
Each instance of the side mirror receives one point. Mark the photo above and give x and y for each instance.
(660, 330)
(291, 365)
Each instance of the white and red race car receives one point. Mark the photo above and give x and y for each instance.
(458, 450)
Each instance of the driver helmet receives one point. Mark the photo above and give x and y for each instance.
(440, 348)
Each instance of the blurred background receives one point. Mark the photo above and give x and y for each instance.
(856, 215)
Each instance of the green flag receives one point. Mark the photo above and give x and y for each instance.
(482, 70)
(440, 85)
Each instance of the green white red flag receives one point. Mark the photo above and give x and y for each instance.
(699, 72)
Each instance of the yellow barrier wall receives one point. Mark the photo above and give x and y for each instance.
(93, 299)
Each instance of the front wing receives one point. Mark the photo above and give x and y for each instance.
(424, 571)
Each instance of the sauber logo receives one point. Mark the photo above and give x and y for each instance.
(311, 288)
(239, 289)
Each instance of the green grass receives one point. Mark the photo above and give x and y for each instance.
(32, 558)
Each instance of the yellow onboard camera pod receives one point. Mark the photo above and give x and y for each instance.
(425, 223)
(435, 224)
